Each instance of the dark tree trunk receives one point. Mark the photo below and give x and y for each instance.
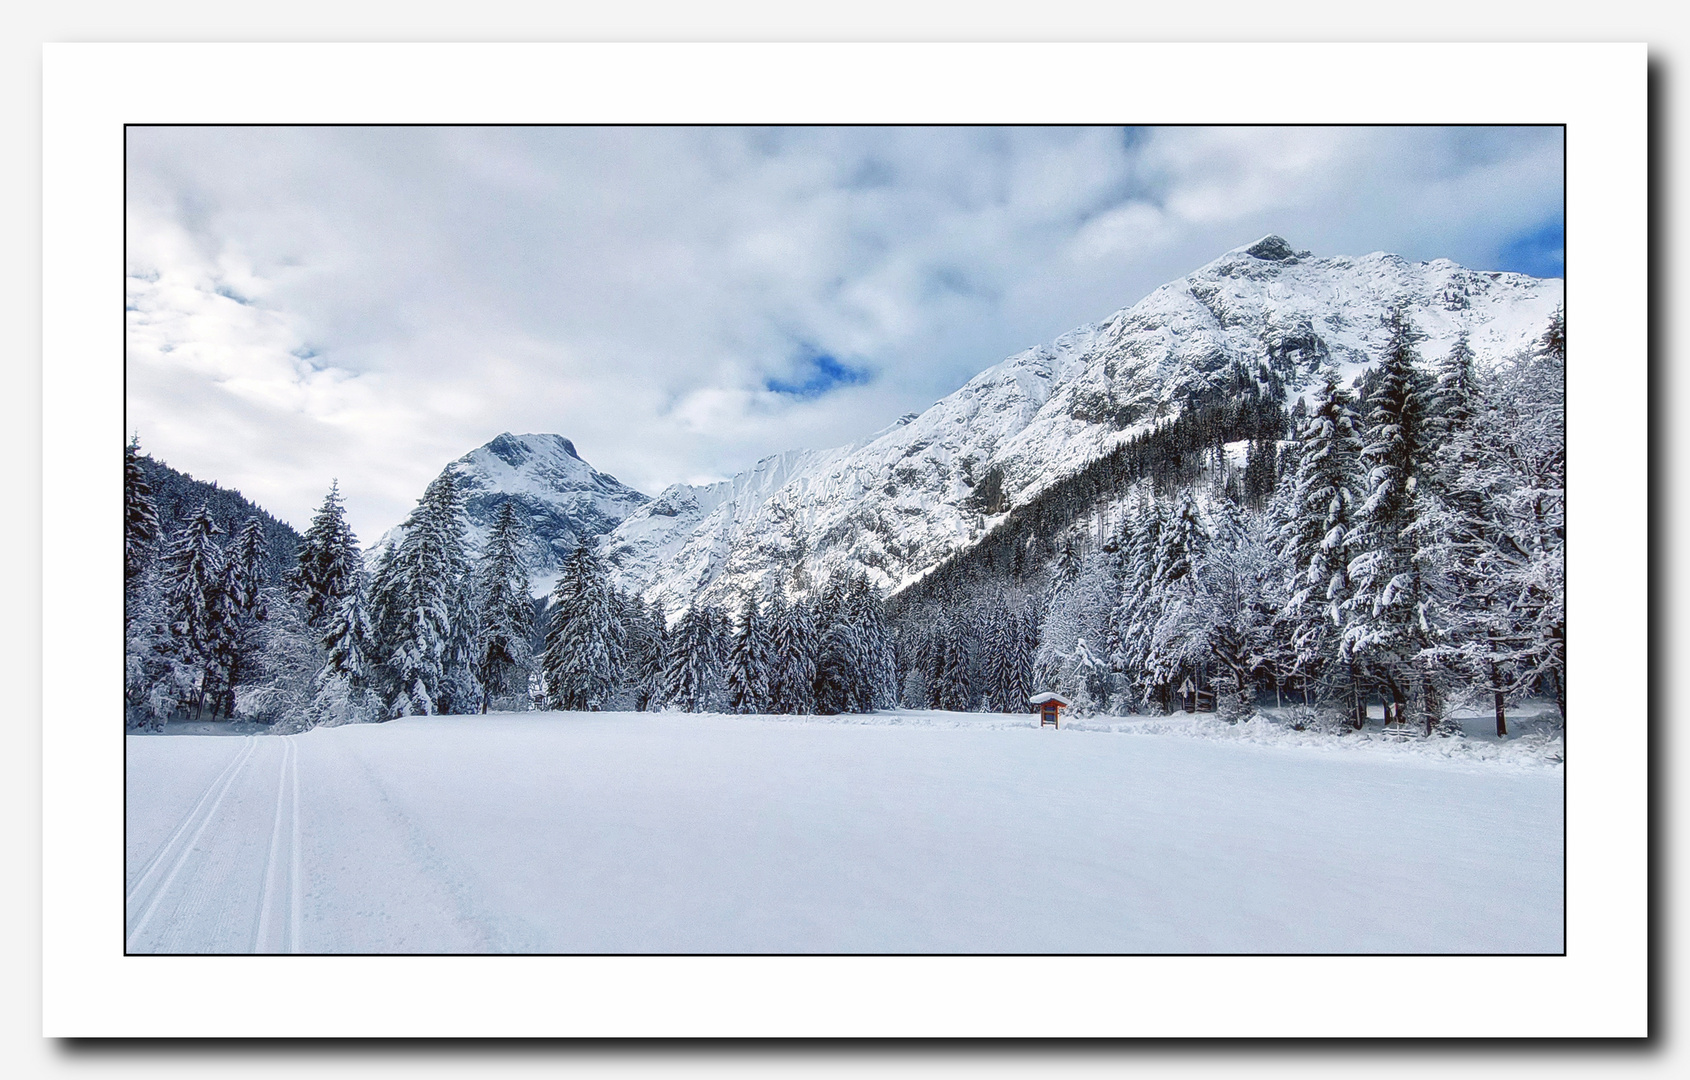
(1358, 702)
(1496, 695)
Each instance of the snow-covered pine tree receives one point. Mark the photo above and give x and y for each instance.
(1552, 346)
(792, 673)
(721, 645)
(1237, 596)
(348, 640)
(241, 613)
(748, 661)
(878, 684)
(420, 592)
(972, 625)
(1140, 604)
(690, 671)
(1313, 535)
(648, 651)
(583, 654)
(1537, 509)
(855, 668)
(951, 685)
(1390, 618)
(1067, 566)
(504, 612)
(1507, 540)
(1177, 646)
(1455, 398)
(140, 518)
(636, 644)
(1261, 473)
(1481, 624)
(839, 654)
(191, 577)
(328, 560)
(1003, 631)
(1026, 648)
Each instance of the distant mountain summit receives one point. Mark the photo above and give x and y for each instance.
(562, 498)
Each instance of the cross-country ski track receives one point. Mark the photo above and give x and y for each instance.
(193, 895)
(899, 832)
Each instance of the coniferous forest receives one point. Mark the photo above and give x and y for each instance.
(1397, 540)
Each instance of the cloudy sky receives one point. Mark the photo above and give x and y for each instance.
(369, 303)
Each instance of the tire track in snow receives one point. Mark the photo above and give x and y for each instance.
(133, 930)
(187, 821)
(427, 862)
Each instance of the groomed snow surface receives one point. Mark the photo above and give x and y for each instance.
(899, 832)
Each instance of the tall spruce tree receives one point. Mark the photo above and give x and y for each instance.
(1481, 624)
(241, 613)
(1390, 621)
(748, 661)
(584, 645)
(792, 673)
(192, 580)
(1174, 650)
(878, 686)
(421, 592)
(348, 640)
(647, 653)
(1004, 690)
(504, 612)
(952, 689)
(690, 674)
(140, 518)
(1314, 536)
(855, 668)
(328, 560)
(1140, 607)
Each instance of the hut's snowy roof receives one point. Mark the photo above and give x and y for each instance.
(1040, 699)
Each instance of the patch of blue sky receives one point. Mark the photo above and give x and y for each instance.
(1540, 252)
(819, 374)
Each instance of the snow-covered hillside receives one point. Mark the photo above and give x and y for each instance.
(902, 500)
(562, 498)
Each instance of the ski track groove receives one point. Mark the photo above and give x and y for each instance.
(187, 820)
(189, 848)
(267, 896)
(295, 876)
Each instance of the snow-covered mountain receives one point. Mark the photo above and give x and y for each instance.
(900, 501)
(562, 497)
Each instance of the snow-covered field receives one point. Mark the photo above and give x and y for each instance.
(896, 832)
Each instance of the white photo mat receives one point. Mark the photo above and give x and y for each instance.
(1597, 989)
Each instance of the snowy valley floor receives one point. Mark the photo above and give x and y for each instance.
(896, 832)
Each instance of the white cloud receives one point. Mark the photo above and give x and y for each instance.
(391, 298)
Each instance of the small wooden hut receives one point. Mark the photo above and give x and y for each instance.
(1049, 706)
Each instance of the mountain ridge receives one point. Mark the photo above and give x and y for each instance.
(896, 504)
(1254, 323)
